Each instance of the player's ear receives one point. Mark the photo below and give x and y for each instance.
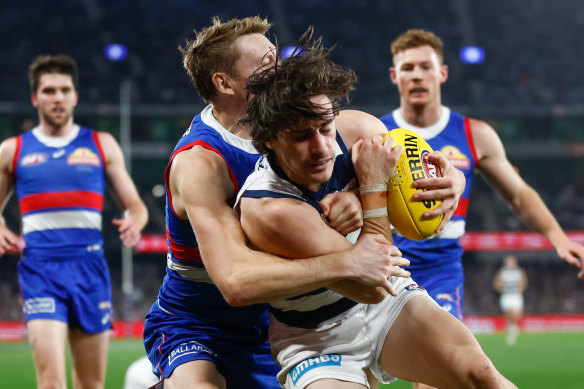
(269, 144)
(392, 75)
(443, 73)
(222, 83)
(34, 100)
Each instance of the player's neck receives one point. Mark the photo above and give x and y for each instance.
(421, 115)
(56, 131)
(228, 116)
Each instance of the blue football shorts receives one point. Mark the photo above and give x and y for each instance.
(445, 285)
(76, 291)
(172, 339)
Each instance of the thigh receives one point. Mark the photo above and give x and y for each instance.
(48, 341)
(426, 344)
(197, 374)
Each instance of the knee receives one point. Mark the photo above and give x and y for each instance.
(484, 376)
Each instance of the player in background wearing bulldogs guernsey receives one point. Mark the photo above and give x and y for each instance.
(59, 171)
(418, 71)
(321, 339)
(204, 329)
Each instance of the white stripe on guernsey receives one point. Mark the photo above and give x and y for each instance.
(243, 144)
(58, 220)
(425, 132)
(60, 141)
(453, 230)
(308, 303)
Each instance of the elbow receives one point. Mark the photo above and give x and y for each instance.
(235, 292)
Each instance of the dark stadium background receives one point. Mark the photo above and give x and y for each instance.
(530, 88)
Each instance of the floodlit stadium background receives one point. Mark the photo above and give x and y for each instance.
(529, 87)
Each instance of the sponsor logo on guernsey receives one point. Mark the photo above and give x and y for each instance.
(33, 159)
(413, 287)
(447, 307)
(58, 153)
(444, 296)
(39, 305)
(312, 363)
(83, 156)
(187, 349)
(458, 159)
(105, 305)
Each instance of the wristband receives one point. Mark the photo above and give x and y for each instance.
(377, 212)
(372, 188)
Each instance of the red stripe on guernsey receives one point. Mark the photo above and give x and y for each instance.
(99, 149)
(468, 130)
(462, 207)
(184, 253)
(189, 146)
(16, 154)
(69, 199)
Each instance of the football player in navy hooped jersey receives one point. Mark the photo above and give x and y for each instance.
(418, 72)
(59, 170)
(322, 339)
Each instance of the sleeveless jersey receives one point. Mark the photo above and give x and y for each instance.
(511, 280)
(268, 180)
(452, 136)
(60, 184)
(187, 287)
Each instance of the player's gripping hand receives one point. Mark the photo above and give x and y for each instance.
(376, 261)
(129, 231)
(343, 211)
(448, 188)
(8, 240)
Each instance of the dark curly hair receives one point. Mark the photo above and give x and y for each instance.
(281, 93)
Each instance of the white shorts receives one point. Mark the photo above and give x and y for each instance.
(511, 302)
(341, 347)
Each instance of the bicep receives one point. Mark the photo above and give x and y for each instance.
(121, 183)
(493, 162)
(201, 195)
(7, 150)
(288, 228)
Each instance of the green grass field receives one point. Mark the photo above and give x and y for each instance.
(537, 361)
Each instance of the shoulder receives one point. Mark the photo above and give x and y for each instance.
(353, 125)
(486, 140)
(7, 151)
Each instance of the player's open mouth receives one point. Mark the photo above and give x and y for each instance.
(416, 91)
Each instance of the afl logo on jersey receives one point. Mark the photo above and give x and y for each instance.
(33, 159)
(429, 167)
(458, 159)
(83, 156)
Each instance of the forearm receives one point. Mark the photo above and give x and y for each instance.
(138, 213)
(536, 216)
(261, 277)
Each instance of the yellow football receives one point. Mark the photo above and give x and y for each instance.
(405, 214)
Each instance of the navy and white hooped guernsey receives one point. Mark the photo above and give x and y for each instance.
(268, 180)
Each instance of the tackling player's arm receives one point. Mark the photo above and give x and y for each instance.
(124, 192)
(245, 276)
(294, 229)
(8, 240)
(521, 197)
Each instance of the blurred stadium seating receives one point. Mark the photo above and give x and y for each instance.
(529, 88)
